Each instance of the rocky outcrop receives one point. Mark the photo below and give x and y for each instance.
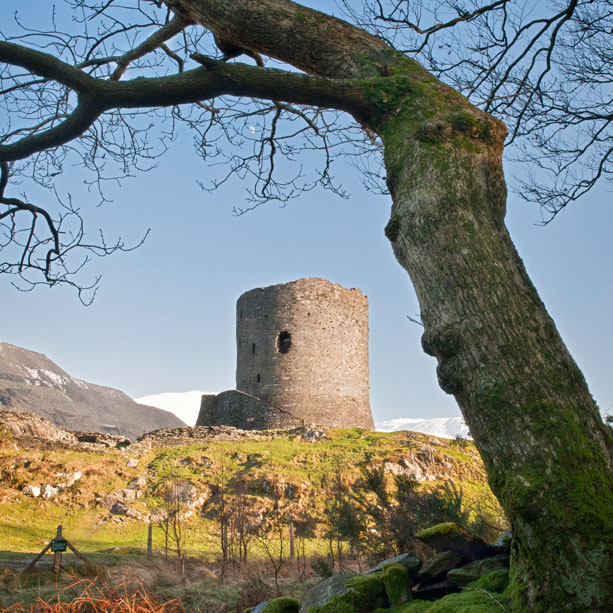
(447, 578)
(29, 425)
(29, 429)
(30, 382)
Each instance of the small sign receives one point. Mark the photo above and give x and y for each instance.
(58, 545)
(249, 419)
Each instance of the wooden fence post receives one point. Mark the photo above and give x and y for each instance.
(149, 541)
(57, 550)
(58, 545)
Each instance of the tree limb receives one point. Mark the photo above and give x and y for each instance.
(214, 79)
(155, 41)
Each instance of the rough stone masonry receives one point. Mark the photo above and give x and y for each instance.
(302, 358)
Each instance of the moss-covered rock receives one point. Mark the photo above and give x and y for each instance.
(408, 560)
(447, 527)
(395, 578)
(452, 537)
(438, 566)
(365, 594)
(474, 570)
(325, 590)
(497, 581)
(283, 604)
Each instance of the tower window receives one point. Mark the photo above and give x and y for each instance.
(253, 348)
(258, 377)
(284, 341)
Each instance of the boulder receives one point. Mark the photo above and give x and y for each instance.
(139, 483)
(497, 582)
(283, 604)
(365, 594)
(183, 492)
(134, 514)
(127, 494)
(395, 578)
(325, 590)
(434, 591)
(31, 490)
(69, 478)
(436, 569)
(132, 463)
(157, 516)
(475, 570)
(407, 468)
(310, 434)
(452, 537)
(119, 509)
(408, 560)
(48, 491)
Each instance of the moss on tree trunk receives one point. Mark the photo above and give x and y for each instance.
(545, 447)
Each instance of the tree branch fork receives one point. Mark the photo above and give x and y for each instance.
(212, 79)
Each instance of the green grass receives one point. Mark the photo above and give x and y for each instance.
(27, 524)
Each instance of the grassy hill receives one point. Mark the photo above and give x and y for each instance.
(118, 490)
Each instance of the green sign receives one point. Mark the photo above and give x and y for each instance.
(58, 545)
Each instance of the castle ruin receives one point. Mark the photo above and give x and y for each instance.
(302, 358)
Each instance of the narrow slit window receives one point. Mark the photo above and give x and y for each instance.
(258, 377)
(253, 348)
(284, 341)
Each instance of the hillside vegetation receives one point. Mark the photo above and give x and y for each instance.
(105, 497)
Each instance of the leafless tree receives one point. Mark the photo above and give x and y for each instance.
(174, 494)
(243, 521)
(272, 538)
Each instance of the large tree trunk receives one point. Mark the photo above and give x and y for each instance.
(548, 455)
(547, 452)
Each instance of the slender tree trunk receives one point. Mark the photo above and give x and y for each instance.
(548, 455)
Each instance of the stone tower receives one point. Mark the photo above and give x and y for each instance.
(302, 357)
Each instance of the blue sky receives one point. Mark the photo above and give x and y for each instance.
(163, 319)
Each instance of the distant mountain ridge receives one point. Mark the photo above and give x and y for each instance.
(31, 382)
(187, 404)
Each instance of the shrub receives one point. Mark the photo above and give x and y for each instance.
(253, 590)
(322, 566)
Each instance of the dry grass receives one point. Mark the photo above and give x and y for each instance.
(127, 598)
(141, 585)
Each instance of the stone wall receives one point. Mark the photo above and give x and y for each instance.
(240, 410)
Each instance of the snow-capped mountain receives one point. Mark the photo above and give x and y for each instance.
(31, 382)
(445, 427)
(185, 405)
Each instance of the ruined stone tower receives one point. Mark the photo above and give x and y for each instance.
(302, 357)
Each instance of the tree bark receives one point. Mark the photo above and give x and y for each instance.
(548, 454)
